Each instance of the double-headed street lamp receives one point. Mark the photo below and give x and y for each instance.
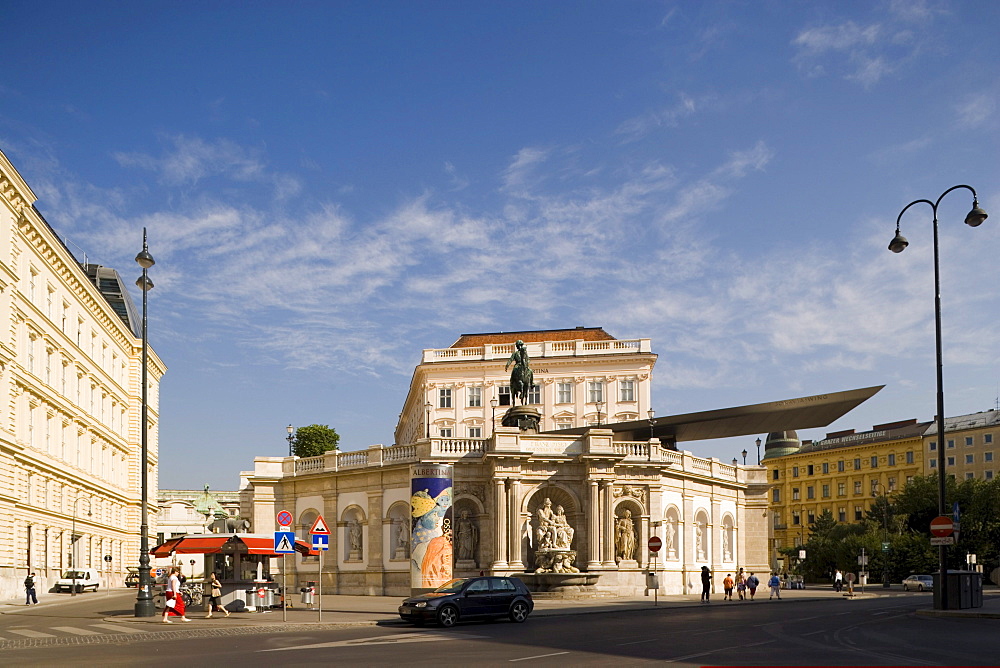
(144, 599)
(974, 218)
(72, 540)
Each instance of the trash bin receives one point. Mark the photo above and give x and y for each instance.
(308, 595)
(265, 598)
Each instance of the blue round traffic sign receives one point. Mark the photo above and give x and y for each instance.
(284, 518)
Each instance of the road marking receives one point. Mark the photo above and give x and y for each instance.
(75, 631)
(724, 649)
(30, 633)
(637, 642)
(380, 640)
(812, 633)
(539, 656)
(120, 628)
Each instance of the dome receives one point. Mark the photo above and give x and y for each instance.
(781, 443)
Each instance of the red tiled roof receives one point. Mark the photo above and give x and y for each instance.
(584, 333)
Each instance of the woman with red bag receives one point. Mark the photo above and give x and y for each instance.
(173, 601)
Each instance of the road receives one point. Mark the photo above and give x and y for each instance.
(878, 631)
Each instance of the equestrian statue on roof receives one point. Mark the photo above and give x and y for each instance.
(521, 377)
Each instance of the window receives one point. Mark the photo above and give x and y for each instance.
(564, 425)
(595, 391)
(444, 397)
(892, 460)
(564, 393)
(951, 461)
(874, 461)
(796, 518)
(795, 471)
(776, 495)
(475, 396)
(826, 491)
(968, 441)
(857, 486)
(503, 395)
(475, 432)
(445, 432)
(933, 446)
(626, 390)
(909, 479)
(795, 493)
(535, 394)
(810, 493)
(842, 515)
(826, 468)
(969, 475)
(970, 459)
(987, 438)
(840, 466)
(874, 487)
(987, 456)
(809, 469)
(811, 516)
(909, 457)
(857, 514)
(933, 463)
(774, 474)
(951, 443)
(841, 489)
(857, 463)
(892, 484)
(989, 475)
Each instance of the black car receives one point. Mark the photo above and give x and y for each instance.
(470, 598)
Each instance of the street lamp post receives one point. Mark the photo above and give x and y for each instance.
(598, 403)
(72, 540)
(428, 406)
(652, 422)
(290, 438)
(974, 218)
(758, 452)
(744, 453)
(885, 532)
(144, 599)
(494, 402)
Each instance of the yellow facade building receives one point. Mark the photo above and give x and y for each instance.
(971, 443)
(843, 473)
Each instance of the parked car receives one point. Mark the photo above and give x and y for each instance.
(81, 578)
(919, 582)
(132, 578)
(470, 598)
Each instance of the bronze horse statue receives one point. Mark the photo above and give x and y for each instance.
(521, 377)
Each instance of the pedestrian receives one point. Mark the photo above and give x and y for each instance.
(173, 603)
(215, 600)
(838, 580)
(741, 585)
(775, 584)
(29, 590)
(727, 584)
(706, 583)
(752, 584)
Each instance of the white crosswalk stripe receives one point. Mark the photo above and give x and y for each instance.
(120, 628)
(76, 631)
(31, 634)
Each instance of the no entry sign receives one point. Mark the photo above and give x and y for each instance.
(655, 544)
(942, 526)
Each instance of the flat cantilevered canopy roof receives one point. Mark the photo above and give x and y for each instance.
(801, 413)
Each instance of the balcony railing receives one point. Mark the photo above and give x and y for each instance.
(539, 349)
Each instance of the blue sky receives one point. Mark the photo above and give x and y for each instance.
(331, 187)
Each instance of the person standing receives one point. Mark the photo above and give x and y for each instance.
(838, 580)
(29, 590)
(775, 584)
(173, 600)
(741, 585)
(706, 583)
(215, 599)
(752, 584)
(727, 584)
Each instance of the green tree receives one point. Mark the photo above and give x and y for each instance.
(314, 440)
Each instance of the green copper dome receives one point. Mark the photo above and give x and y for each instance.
(781, 443)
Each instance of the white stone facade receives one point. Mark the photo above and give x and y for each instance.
(70, 401)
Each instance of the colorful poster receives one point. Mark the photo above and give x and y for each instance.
(431, 536)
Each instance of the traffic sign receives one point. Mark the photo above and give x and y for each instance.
(942, 525)
(885, 547)
(319, 527)
(284, 542)
(284, 518)
(851, 577)
(321, 541)
(942, 540)
(863, 560)
(655, 543)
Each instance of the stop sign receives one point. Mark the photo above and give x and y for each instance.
(655, 544)
(942, 526)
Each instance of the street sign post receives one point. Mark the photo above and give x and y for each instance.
(942, 525)
(284, 542)
(655, 544)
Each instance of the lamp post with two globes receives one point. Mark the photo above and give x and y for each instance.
(144, 599)
(974, 218)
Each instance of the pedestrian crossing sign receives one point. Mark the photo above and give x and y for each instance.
(284, 542)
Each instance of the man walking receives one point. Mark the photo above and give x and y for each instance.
(838, 580)
(752, 584)
(775, 584)
(29, 590)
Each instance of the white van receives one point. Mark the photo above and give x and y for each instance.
(81, 578)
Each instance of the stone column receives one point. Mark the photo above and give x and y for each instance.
(375, 577)
(331, 560)
(513, 524)
(608, 522)
(594, 527)
(499, 525)
(642, 541)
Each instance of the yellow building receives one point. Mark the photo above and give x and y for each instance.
(971, 441)
(842, 473)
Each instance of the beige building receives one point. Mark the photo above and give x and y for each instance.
(971, 445)
(583, 377)
(70, 397)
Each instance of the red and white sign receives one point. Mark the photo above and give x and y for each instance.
(942, 526)
(284, 518)
(655, 544)
(320, 527)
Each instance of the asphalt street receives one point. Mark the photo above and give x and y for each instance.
(884, 630)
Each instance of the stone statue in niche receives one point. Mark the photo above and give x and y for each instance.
(563, 531)
(554, 536)
(699, 542)
(726, 554)
(354, 535)
(402, 539)
(668, 538)
(625, 537)
(545, 531)
(467, 536)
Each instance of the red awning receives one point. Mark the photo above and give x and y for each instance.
(214, 543)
